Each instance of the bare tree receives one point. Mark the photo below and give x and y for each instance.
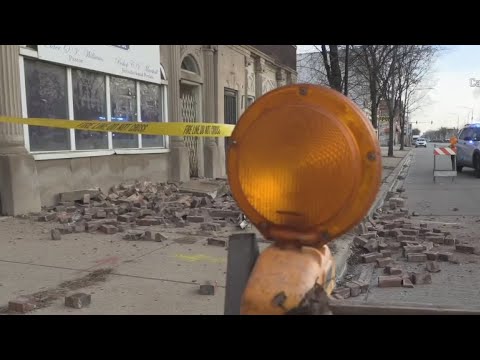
(370, 63)
(416, 64)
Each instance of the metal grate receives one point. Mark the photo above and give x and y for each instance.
(230, 107)
(189, 114)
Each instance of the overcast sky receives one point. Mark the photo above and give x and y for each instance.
(452, 98)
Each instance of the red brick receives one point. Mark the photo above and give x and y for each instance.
(147, 222)
(394, 233)
(71, 209)
(371, 245)
(450, 241)
(436, 231)
(123, 227)
(222, 223)
(391, 270)
(424, 226)
(370, 258)
(224, 213)
(108, 229)
(343, 292)
(195, 219)
(360, 241)
(100, 214)
(394, 245)
(355, 289)
(386, 253)
(160, 237)
(363, 285)
(55, 234)
(444, 256)
(370, 235)
(381, 233)
(423, 231)
(413, 249)
(407, 283)
(416, 257)
(407, 226)
(210, 227)
(389, 226)
(432, 266)
(384, 261)
(435, 239)
(409, 232)
(86, 198)
(125, 218)
(431, 255)
(21, 305)
(389, 281)
(216, 242)
(78, 301)
(134, 235)
(421, 278)
(79, 228)
(409, 243)
(410, 238)
(466, 249)
(207, 289)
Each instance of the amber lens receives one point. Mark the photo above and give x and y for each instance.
(296, 161)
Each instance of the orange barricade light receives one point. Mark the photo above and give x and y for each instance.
(305, 166)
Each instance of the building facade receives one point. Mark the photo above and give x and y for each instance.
(131, 83)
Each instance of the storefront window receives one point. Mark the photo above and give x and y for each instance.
(46, 93)
(123, 98)
(59, 92)
(151, 111)
(89, 103)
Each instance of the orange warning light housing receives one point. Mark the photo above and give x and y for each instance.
(304, 164)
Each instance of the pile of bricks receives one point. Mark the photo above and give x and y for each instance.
(140, 204)
(392, 240)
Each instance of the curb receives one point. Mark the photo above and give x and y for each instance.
(344, 245)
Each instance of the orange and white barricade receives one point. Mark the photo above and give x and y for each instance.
(444, 151)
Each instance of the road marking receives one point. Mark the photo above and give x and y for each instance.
(200, 257)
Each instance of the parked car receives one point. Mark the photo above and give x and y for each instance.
(468, 148)
(421, 142)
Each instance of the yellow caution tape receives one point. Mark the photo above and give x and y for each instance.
(170, 129)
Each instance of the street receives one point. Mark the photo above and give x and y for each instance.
(439, 199)
(447, 207)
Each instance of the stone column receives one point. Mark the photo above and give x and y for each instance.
(211, 152)
(19, 187)
(281, 77)
(259, 71)
(179, 160)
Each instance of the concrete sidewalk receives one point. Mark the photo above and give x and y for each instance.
(146, 278)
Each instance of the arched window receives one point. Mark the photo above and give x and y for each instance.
(189, 64)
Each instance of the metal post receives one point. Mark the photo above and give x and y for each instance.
(434, 161)
(242, 255)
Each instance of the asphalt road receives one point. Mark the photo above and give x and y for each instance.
(443, 197)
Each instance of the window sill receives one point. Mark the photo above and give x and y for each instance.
(57, 155)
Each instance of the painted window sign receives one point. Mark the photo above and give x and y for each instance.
(124, 47)
(140, 62)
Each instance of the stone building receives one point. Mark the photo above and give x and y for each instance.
(133, 83)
